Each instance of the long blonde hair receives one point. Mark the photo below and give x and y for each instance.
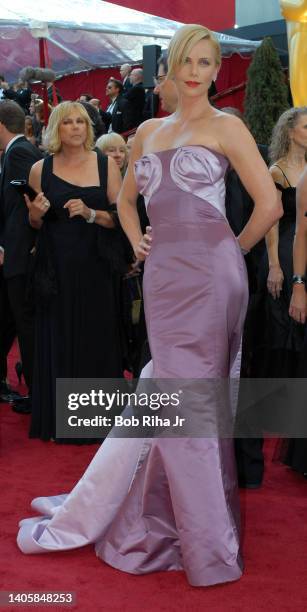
(52, 136)
(280, 142)
(184, 40)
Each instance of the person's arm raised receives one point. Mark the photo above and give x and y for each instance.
(242, 152)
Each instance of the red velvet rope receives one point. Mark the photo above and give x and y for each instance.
(128, 133)
(229, 91)
(42, 62)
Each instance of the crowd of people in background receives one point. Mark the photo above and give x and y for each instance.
(125, 111)
(70, 288)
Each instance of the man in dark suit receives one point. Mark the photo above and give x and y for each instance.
(7, 337)
(20, 94)
(239, 207)
(117, 112)
(125, 71)
(16, 236)
(136, 97)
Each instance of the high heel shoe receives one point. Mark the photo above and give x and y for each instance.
(18, 370)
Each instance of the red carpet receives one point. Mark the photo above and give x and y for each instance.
(275, 538)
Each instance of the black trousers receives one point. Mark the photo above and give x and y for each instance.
(7, 327)
(23, 313)
(250, 460)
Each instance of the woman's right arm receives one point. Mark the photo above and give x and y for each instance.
(241, 150)
(297, 308)
(36, 207)
(126, 203)
(275, 276)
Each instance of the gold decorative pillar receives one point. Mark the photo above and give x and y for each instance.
(295, 14)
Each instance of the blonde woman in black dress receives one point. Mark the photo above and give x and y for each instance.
(279, 340)
(77, 332)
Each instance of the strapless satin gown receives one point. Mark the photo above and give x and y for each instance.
(169, 504)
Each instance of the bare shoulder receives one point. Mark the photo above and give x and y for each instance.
(36, 175)
(276, 172)
(227, 122)
(36, 169)
(233, 136)
(143, 134)
(147, 128)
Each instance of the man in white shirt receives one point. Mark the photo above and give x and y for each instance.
(118, 109)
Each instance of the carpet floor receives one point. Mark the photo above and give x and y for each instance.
(274, 539)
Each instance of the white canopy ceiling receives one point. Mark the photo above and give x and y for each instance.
(84, 34)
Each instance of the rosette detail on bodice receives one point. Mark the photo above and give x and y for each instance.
(193, 168)
(148, 171)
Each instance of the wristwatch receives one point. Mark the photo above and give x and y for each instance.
(297, 279)
(92, 216)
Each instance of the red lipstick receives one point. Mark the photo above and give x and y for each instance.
(192, 83)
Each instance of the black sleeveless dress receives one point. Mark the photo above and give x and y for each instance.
(77, 296)
(278, 339)
(294, 451)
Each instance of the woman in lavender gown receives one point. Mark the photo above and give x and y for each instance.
(172, 504)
